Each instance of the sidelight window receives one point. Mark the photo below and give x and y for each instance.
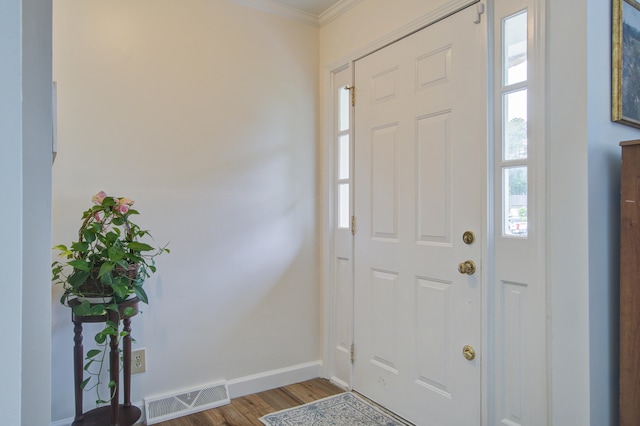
(513, 101)
(343, 159)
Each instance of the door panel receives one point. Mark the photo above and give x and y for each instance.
(420, 160)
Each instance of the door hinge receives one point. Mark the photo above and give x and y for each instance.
(353, 353)
(352, 91)
(353, 225)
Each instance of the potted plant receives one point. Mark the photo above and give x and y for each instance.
(107, 265)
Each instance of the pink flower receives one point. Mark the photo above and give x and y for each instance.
(97, 217)
(99, 197)
(127, 201)
(122, 208)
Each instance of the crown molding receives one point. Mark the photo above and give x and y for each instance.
(336, 10)
(280, 9)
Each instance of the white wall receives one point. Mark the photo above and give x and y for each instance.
(36, 202)
(25, 173)
(604, 218)
(205, 114)
(11, 171)
(369, 21)
(567, 222)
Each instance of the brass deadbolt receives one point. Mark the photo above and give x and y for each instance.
(468, 237)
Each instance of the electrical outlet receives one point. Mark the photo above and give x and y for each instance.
(138, 361)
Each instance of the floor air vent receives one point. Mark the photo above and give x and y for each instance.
(168, 407)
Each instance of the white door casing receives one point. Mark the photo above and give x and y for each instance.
(420, 180)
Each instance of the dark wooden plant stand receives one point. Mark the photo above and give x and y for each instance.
(115, 414)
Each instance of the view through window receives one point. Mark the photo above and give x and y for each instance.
(514, 161)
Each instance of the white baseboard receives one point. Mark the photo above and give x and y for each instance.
(274, 379)
(251, 384)
(339, 383)
(65, 422)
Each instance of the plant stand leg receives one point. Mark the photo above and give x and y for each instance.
(126, 367)
(78, 374)
(114, 367)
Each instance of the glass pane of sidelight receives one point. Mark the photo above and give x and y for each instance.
(343, 157)
(515, 125)
(514, 182)
(343, 109)
(343, 205)
(514, 45)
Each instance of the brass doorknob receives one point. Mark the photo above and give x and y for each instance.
(468, 352)
(467, 267)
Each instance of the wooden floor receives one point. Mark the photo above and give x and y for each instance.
(248, 409)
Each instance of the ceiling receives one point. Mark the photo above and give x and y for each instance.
(315, 7)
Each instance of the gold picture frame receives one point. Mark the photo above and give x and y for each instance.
(625, 62)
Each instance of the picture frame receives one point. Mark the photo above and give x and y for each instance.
(625, 62)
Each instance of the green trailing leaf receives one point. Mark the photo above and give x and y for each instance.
(105, 268)
(115, 253)
(121, 290)
(141, 294)
(80, 264)
(134, 258)
(83, 309)
(78, 278)
(123, 263)
(106, 279)
(84, 383)
(121, 281)
(92, 353)
(81, 246)
(111, 324)
(97, 309)
(89, 235)
(129, 311)
(137, 246)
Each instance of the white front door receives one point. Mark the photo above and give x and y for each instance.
(420, 179)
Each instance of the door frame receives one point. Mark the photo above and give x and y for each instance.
(491, 389)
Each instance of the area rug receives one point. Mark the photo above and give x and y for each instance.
(345, 409)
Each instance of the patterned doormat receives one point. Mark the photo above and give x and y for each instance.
(345, 409)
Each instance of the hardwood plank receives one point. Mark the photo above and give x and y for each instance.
(279, 399)
(247, 410)
(306, 392)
